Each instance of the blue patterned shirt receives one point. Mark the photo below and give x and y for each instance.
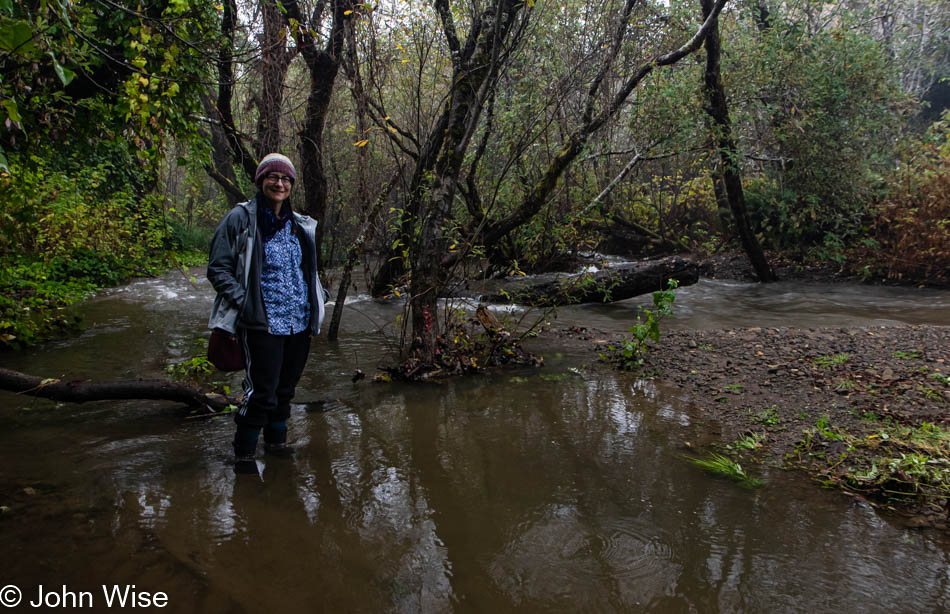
(283, 285)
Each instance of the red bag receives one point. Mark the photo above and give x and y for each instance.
(225, 351)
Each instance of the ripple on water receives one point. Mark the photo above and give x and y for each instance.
(568, 555)
(632, 550)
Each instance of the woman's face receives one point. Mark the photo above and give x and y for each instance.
(276, 187)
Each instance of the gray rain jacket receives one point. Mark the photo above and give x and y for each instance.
(234, 269)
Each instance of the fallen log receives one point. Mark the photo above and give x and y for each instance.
(603, 286)
(83, 391)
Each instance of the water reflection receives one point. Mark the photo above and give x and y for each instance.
(557, 489)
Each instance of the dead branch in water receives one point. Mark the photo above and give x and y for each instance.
(83, 391)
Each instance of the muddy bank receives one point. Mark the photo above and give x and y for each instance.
(890, 371)
(845, 404)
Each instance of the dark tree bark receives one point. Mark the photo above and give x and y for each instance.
(83, 391)
(323, 65)
(228, 148)
(729, 170)
(393, 267)
(723, 210)
(604, 286)
(273, 65)
(227, 133)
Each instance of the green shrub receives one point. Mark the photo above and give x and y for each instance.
(189, 238)
(912, 230)
(630, 353)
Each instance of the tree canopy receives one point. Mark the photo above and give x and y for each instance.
(453, 138)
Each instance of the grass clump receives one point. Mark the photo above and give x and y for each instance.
(751, 441)
(768, 417)
(826, 430)
(831, 361)
(724, 466)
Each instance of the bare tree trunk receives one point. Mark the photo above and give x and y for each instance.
(729, 169)
(227, 148)
(323, 64)
(222, 157)
(322, 75)
(83, 391)
(275, 59)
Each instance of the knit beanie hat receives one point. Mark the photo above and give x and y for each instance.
(275, 163)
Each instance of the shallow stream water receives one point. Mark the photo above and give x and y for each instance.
(559, 489)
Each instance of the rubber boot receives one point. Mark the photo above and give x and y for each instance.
(245, 445)
(275, 440)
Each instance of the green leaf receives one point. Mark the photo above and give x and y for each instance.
(65, 75)
(6, 6)
(4, 165)
(16, 36)
(12, 112)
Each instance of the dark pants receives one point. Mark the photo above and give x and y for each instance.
(274, 366)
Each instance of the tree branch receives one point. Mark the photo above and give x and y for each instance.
(575, 143)
(83, 391)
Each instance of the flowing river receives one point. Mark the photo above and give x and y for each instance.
(558, 489)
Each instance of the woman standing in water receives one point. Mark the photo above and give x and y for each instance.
(263, 265)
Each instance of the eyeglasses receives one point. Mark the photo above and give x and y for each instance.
(280, 178)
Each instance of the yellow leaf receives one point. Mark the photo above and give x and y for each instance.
(361, 143)
(347, 12)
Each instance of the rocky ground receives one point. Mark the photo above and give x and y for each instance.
(863, 409)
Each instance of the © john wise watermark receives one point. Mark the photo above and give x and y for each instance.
(109, 596)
